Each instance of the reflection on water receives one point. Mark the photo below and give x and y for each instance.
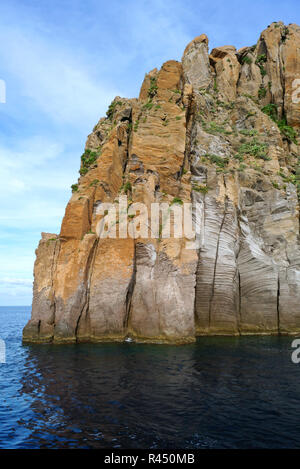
(217, 393)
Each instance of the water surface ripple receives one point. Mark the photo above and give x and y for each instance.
(217, 393)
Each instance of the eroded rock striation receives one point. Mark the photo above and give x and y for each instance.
(220, 130)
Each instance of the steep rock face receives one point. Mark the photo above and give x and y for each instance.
(220, 131)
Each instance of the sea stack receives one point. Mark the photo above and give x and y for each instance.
(220, 130)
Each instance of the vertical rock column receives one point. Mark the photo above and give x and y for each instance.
(162, 306)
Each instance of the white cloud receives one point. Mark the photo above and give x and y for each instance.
(34, 150)
(54, 78)
(15, 291)
(24, 164)
(156, 30)
(35, 183)
(17, 260)
(16, 281)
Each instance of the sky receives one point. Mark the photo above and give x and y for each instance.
(63, 61)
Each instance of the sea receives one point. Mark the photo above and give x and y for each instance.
(221, 392)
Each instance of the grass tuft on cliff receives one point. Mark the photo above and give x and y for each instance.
(288, 131)
(88, 158)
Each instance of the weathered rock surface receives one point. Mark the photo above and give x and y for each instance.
(219, 130)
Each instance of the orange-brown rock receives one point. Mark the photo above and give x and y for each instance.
(227, 70)
(195, 63)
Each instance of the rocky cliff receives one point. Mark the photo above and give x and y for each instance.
(219, 130)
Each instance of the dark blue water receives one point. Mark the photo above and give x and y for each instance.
(218, 393)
